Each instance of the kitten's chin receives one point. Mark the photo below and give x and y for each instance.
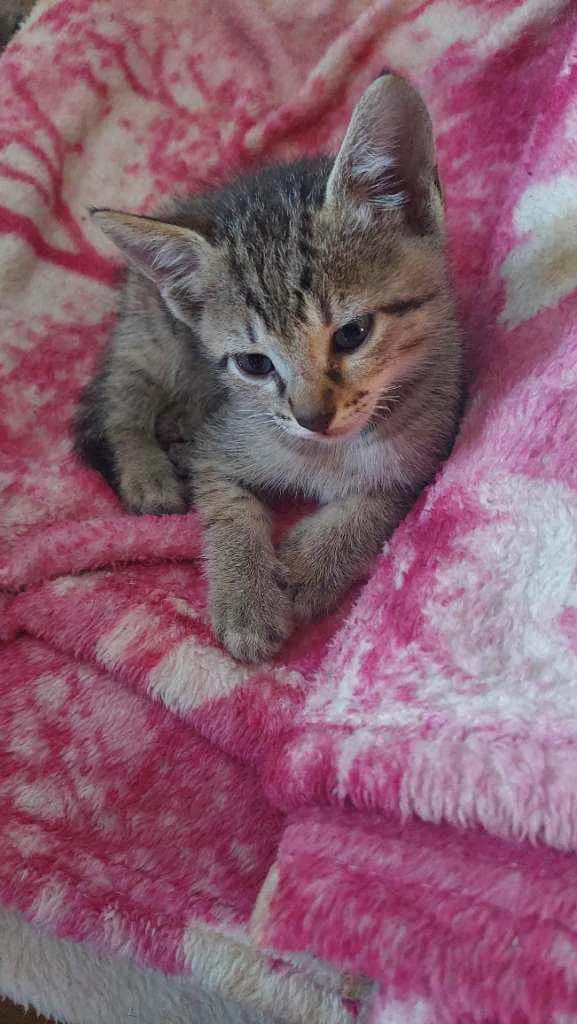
(347, 433)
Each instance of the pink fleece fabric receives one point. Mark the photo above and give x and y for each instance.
(145, 777)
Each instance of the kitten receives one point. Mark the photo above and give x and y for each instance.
(291, 333)
(12, 13)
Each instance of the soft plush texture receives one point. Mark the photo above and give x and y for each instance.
(246, 825)
(70, 982)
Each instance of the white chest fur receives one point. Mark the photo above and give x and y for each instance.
(319, 469)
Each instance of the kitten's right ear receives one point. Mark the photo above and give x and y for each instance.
(175, 258)
(387, 158)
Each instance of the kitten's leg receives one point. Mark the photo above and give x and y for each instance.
(147, 480)
(329, 550)
(250, 607)
(116, 433)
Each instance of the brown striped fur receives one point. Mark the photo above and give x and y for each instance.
(276, 265)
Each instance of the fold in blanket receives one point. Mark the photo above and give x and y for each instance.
(360, 810)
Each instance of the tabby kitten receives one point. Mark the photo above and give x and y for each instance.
(12, 13)
(291, 333)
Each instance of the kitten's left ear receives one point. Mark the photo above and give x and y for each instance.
(387, 158)
(177, 259)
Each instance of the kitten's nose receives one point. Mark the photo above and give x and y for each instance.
(315, 421)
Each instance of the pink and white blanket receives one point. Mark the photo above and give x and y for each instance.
(394, 800)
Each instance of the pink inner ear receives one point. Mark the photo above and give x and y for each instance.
(166, 253)
(388, 156)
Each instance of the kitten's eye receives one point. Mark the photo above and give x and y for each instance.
(352, 335)
(254, 364)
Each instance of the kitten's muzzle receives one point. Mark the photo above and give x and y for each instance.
(316, 421)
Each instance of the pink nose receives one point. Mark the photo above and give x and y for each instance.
(316, 421)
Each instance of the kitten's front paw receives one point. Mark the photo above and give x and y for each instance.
(312, 599)
(252, 617)
(316, 579)
(152, 487)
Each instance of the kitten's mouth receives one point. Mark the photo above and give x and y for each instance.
(346, 433)
(332, 435)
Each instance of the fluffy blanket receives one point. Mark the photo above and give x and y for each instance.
(382, 821)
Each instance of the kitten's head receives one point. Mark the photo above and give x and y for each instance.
(318, 287)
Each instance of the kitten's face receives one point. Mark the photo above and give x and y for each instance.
(343, 316)
(317, 288)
